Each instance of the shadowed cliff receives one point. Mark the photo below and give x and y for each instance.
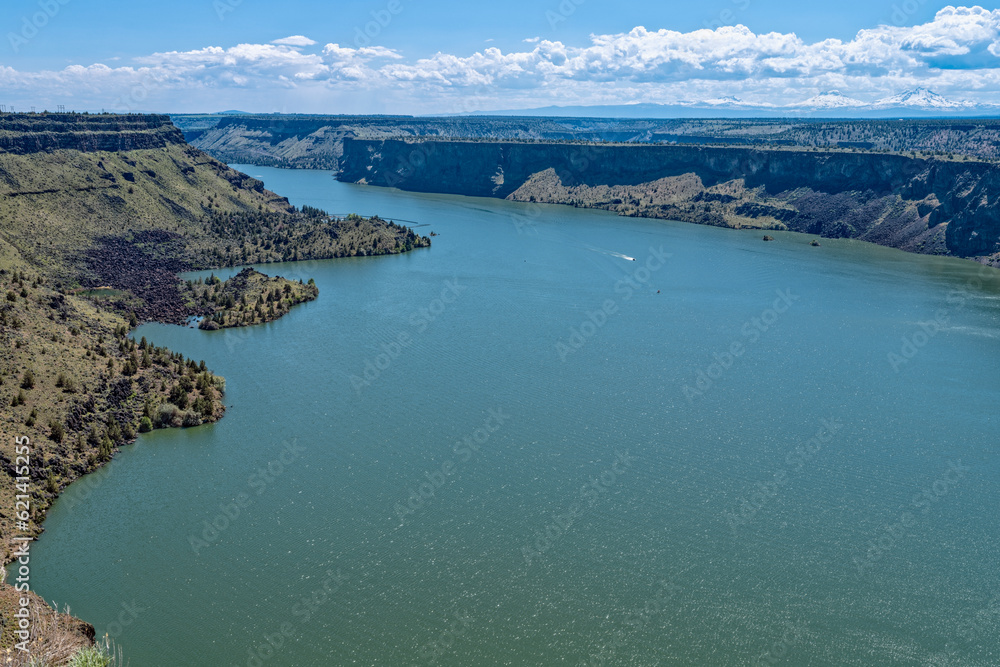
(928, 205)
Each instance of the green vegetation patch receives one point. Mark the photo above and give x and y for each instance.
(249, 297)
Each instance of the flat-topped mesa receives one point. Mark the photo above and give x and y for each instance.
(928, 205)
(44, 132)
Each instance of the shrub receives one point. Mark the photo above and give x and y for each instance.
(57, 432)
(28, 381)
(191, 418)
(114, 430)
(145, 425)
(102, 654)
(168, 415)
(106, 449)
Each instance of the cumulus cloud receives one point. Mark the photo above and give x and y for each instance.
(957, 53)
(295, 40)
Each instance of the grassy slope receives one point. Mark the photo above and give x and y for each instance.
(56, 205)
(58, 208)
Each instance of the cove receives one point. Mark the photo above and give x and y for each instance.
(803, 506)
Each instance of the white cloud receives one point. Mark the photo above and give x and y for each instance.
(957, 53)
(295, 40)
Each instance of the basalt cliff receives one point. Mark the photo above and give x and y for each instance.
(932, 205)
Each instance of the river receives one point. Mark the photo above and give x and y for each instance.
(520, 446)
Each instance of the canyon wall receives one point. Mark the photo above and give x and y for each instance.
(931, 205)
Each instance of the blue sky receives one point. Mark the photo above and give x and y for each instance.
(419, 56)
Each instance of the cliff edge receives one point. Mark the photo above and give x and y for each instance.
(929, 205)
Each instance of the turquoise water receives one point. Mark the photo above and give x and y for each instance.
(559, 456)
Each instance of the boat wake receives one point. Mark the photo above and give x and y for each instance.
(611, 253)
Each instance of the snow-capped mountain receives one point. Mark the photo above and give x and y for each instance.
(831, 99)
(733, 102)
(920, 98)
(919, 102)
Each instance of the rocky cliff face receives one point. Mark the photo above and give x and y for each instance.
(923, 205)
(306, 141)
(34, 133)
(274, 141)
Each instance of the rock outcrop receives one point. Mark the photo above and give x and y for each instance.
(35, 133)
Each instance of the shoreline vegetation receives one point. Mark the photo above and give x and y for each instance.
(99, 214)
(248, 298)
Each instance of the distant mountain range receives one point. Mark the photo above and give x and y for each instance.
(919, 102)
